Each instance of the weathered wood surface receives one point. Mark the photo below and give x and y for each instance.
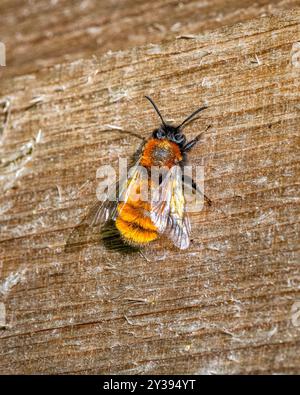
(230, 303)
(44, 32)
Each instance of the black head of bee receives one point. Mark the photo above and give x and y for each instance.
(170, 132)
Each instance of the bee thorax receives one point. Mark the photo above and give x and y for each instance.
(160, 153)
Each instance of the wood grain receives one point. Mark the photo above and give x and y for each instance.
(43, 33)
(230, 303)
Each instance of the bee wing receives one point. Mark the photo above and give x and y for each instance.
(88, 229)
(161, 201)
(99, 214)
(102, 212)
(178, 227)
(178, 230)
(168, 213)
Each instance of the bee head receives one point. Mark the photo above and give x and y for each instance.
(172, 133)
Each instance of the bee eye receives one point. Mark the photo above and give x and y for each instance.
(160, 134)
(179, 138)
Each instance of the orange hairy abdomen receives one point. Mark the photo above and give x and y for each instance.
(134, 223)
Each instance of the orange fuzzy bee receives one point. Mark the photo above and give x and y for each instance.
(137, 222)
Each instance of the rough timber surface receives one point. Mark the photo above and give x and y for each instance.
(228, 304)
(39, 33)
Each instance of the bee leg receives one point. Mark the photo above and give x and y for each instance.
(120, 130)
(144, 139)
(144, 256)
(187, 179)
(189, 145)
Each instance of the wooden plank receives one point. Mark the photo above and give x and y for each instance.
(42, 33)
(228, 304)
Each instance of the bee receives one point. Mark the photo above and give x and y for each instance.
(135, 222)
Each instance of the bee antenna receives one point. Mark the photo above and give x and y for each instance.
(156, 109)
(191, 116)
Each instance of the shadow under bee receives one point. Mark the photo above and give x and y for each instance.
(112, 239)
(108, 236)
